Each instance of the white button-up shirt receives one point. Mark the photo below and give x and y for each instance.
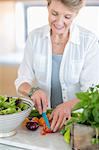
(79, 67)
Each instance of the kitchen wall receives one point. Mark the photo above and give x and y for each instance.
(7, 26)
(8, 66)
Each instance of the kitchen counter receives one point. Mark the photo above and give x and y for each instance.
(6, 147)
(33, 140)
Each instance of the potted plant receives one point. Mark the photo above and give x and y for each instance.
(82, 130)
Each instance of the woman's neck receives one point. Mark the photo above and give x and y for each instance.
(60, 39)
(58, 43)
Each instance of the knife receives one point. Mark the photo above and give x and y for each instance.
(46, 119)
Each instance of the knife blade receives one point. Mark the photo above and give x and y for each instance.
(46, 119)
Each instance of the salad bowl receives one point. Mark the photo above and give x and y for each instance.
(13, 111)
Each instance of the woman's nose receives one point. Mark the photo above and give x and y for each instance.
(60, 20)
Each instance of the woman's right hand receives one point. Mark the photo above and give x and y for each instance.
(40, 100)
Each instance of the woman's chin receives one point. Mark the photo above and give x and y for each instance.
(58, 32)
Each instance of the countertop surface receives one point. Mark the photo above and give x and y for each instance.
(33, 140)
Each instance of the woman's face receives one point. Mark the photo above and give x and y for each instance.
(60, 17)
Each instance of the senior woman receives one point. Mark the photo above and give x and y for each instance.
(60, 59)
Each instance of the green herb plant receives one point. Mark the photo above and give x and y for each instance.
(89, 104)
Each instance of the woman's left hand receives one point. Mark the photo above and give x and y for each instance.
(59, 116)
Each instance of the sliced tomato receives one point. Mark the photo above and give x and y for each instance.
(46, 130)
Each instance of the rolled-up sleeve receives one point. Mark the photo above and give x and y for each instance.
(90, 72)
(25, 71)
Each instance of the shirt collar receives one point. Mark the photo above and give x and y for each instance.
(46, 33)
(74, 33)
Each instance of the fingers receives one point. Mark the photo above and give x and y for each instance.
(63, 122)
(40, 101)
(39, 104)
(54, 120)
(58, 117)
(58, 120)
(44, 104)
(58, 123)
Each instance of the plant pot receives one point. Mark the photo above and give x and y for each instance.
(81, 136)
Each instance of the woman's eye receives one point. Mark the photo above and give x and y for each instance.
(67, 17)
(54, 14)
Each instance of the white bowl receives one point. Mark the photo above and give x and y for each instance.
(10, 122)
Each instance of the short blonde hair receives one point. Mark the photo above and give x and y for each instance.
(74, 5)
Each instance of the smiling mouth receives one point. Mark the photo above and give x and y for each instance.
(59, 27)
